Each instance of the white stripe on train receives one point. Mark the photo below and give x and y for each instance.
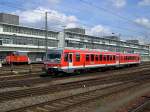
(97, 65)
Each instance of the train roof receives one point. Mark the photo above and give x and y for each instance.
(92, 51)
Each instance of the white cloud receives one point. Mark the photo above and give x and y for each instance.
(99, 30)
(143, 22)
(35, 17)
(144, 2)
(57, 20)
(72, 25)
(118, 3)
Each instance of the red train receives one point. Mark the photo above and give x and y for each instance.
(72, 60)
(17, 58)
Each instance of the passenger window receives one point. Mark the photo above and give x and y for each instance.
(108, 57)
(100, 57)
(66, 57)
(96, 57)
(92, 57)
(114, 57)
(78, 57)
(111, 58)
(124, 57)
(104, 57)
(87, 57)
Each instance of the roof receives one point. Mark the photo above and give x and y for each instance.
(28, 27)
(103, 38)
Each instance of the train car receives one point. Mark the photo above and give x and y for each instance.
(17, 58)
(72, 60)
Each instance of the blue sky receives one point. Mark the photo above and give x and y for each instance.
(130, 18)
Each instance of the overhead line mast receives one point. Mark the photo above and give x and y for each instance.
(46, 37)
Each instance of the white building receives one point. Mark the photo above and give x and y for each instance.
(32, 41)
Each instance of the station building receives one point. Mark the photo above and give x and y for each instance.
(14, 37)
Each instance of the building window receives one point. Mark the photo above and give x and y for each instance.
(1, 42)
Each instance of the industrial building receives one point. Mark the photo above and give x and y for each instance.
(14, 37)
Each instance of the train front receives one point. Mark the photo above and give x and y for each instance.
(52, 62)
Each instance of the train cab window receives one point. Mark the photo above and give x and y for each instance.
(100, 57)
(96, 57)
(92, 57)
(78, 57)
(66, 57)
(87, 57)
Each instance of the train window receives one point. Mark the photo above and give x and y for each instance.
(114, 57)
(87, 57)
(77, 57)
(92, 57)
(96, 57)
(66, 57)
(121, 57)
(124, 57)
(105, 57)
(108, 58)
(100, 57)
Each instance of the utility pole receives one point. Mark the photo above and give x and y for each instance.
(46, 37)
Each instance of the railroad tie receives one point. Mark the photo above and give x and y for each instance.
(65, 103)
(40, 109)
(58, 104)
(71, 101)
(29, 111)
(50, 107)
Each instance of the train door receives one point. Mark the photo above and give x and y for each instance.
(117, 59)
(70, 60)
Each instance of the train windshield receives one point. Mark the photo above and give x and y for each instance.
(54, 57)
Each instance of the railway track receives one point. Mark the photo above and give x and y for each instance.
(139, 75)
(40, 66)
(64, 104)
(144, 105)
(38, 73)
(7, 70)
(29, 81)
(5, 96)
